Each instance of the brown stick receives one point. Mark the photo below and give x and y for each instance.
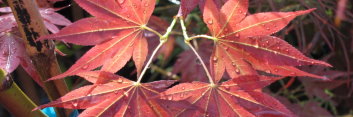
(31, 26)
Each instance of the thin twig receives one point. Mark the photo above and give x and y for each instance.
(187, 41)
(202, 63)
(150, 61)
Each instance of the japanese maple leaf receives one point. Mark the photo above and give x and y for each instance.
(309, 109)
(315, 87)
(50, 17)
(190, 67)
(116, 31)
(12, 48)
(240, 96)
(116, 97)
(243, 43)
(13, 54)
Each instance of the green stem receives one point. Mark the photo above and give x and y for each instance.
(162, 40)
(202, 36)
(153, 31)
(169, 29)
(187, 41)
(17, 102)
(183, 28)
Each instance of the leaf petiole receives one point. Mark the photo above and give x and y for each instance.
(149, 61)
(151, 30)
(202, 63)
(202, 36)
(169, 30)
(187, 41)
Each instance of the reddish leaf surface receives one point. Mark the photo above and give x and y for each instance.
(244, 40)
(315, 87)
(190, 67)
(117, 97)
(12, 48)
(50, 17)
(240, 96)
(13, 53)
(309, 109)
(115, 31)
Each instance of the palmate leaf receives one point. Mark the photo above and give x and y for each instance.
(13, 54)
(116, 31)
(243, 43)
(116, 97)
(237, 97)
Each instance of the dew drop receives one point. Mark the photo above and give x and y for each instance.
(182, 95)
(85, 67)
(215, 59)
(222, 36)
(75, 104)
(183, 88)
(268, 71)
(267, 28)
(278, 48)
(144, 11)
(226, 30)
(121, 1)
(226, 48)
(237, 35)
(120, 81)
(146, 4)
(267, 42)
(276, 70)
(170, 98)
(116, 92)
(128, 16)
(210, 22)
(237, 71)
(234, 64)
(226, 87)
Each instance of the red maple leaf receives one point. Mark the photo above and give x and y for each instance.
(240, 96)
(116, 97)
(13, 54)
(117, 31)
(243, 43)
(13, 50)
(50, 17)
(189, 66)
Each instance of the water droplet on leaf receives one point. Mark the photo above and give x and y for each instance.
(85, 67)
(210, 22)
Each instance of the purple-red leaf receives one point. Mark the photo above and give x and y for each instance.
(240, 96)
(117, 31)
(243, 42)
(117, 97)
